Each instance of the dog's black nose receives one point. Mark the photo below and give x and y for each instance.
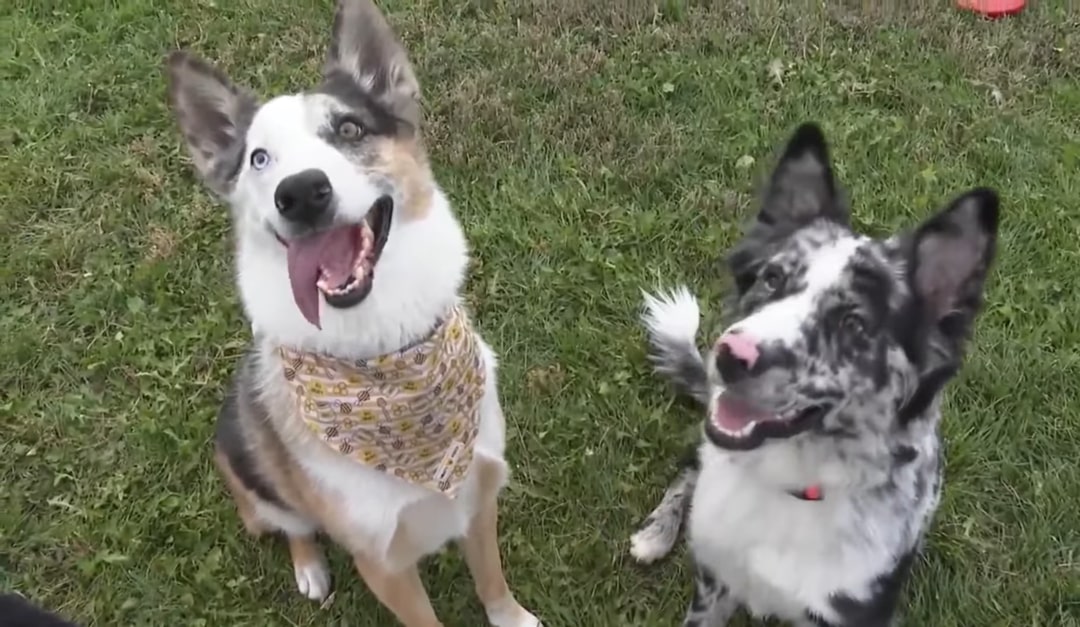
(304, 196)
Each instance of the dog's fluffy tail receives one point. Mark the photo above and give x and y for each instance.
(671, 319)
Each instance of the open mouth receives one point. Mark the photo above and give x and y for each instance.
(338, 263)
(737, 423)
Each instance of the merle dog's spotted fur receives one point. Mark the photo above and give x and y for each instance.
(854, 339)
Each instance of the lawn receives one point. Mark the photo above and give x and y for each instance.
(591, 148)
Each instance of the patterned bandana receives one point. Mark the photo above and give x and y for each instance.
(413, 413)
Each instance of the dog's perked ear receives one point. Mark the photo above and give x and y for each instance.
(366, 51)
(951, 254)
(802, 187)
(800, 190)
(213, 115)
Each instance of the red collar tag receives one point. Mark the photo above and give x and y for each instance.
(810, 493)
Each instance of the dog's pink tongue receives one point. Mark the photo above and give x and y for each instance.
(733, 413)
(333, 252)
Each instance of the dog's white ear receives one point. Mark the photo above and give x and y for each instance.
(213, 115)
(364, 48)
(802, 187)
(951, 255)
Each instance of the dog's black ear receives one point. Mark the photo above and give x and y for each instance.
(364, 48)
(213, 115)
(951, 254)
(802, 188)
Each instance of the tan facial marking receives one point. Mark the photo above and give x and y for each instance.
(403, 161)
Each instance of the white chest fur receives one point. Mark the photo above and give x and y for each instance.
(781, 555)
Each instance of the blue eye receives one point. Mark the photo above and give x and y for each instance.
(259, 158)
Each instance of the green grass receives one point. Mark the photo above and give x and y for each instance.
(591, 149)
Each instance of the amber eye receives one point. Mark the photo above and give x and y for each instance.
(772, 278)
(348, 129)
(853, 325)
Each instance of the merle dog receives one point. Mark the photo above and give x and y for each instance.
(821, 466)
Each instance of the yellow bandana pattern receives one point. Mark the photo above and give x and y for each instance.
(413, 414)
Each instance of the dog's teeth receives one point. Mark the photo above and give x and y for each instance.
(338, 290)
(742, 432)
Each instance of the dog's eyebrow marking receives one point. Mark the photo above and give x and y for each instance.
(868, 278)
(379, 119)
(871, 281)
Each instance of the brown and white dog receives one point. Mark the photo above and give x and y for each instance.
(366, 407)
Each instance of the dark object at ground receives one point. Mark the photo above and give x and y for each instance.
(16, 611)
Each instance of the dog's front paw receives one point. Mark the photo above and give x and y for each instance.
(312, 579)
(651, 543)
(509, 613)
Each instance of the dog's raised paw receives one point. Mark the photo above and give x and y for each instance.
(651, 543)
(312, 579)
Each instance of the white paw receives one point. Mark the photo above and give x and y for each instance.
(650, 544)
(524, 620)
(313, 579)
(508, 613)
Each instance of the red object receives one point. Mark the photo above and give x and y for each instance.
(992, 9)
(812, 493)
